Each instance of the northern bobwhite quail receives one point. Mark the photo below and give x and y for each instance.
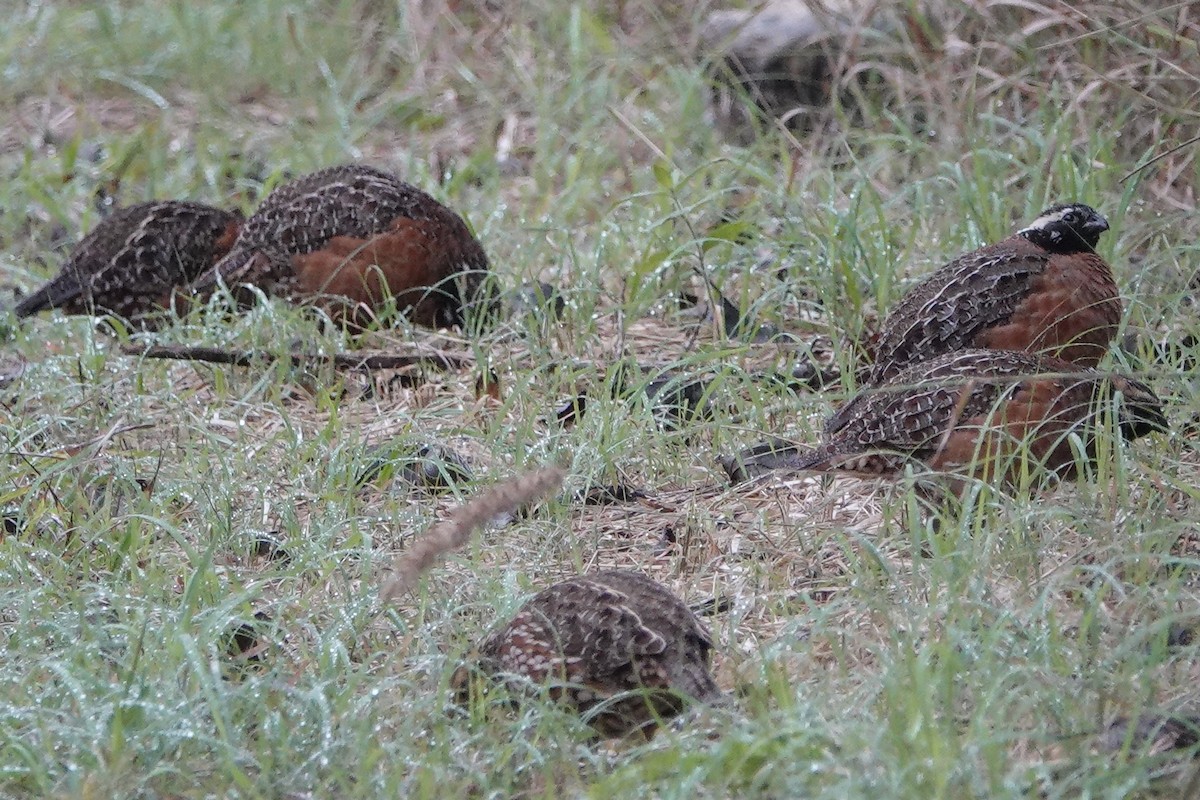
(617, 646)
(132, 261)
(347, 237)
(975, 411)
(1042, 290)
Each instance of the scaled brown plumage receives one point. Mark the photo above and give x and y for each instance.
(347, 237)
(976, 412)
(133, 260)
(1043, 289)
(615, 645)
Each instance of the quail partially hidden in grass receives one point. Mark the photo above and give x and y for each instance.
(977, 413)
(346, 237)
(132, 262)
(1043, 289)
(617, 646)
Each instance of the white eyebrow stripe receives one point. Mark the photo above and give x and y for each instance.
(1044, 221)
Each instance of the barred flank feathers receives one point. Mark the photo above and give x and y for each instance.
(442, 537)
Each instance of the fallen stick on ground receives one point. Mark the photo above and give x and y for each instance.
(243, 358)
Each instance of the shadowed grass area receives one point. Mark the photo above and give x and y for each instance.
(873, 655)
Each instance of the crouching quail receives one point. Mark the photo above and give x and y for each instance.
(347, 237)
(991, 414)
(1042, 290)
(616, 645)
(133, 261)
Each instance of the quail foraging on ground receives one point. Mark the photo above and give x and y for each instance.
(1043, 289)
(132, 261)
(974, 411)
(347, 237)
(617, 646)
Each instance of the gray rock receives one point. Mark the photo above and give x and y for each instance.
(780, 56)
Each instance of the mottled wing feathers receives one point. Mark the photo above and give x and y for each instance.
(682, 662)
(911, 411)
(351, 201)
(936, 411)
(357, 234)
(583, 621)
(115, 241)
(133, 260)
(948, 309)
(1042, 290)
(600, 637)
(168, 248)
(356, 202)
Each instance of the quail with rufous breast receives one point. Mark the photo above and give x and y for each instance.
(987, 413)
(133, 260)
(348, 237)
(1042, 290)
(615, 645)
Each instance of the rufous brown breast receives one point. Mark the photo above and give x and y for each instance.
(349, 237)
(993, 414)
(1042, 290)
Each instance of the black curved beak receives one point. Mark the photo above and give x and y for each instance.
(1096, 225)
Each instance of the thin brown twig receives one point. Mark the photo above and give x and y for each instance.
(244, 358)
